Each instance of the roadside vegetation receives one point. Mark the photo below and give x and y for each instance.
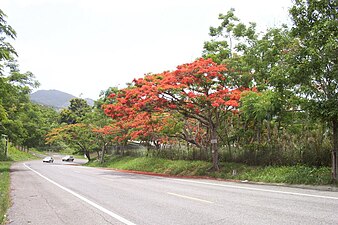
(260, 103)
(14, 155)
(297, 174)
(260, 99)
(4, 189)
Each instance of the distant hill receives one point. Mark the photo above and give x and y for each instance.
(54, 98)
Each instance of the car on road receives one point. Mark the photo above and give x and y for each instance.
(48, 159)
(68, 158)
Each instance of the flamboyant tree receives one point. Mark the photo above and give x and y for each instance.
(136, 124)
(105, 136)
(198, 90)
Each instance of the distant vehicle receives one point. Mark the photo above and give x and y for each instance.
(48, 159)
(68, 158)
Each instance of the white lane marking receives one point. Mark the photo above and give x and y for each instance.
(249, 188)
(256, 189)
(102, 209)
(187, 197)
(107, 178)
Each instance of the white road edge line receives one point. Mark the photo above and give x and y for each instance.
(102, 209)
(256, 189)
(187, 197)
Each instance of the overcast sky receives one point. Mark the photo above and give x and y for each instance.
(85, 46)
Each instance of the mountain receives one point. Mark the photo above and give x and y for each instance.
(54, 98)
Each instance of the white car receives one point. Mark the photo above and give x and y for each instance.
(68, 158)
(48, 159)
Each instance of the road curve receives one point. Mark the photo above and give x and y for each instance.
(60, 193)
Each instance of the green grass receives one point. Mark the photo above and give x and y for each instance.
(155, 165)
(291, 175)
(13, 155)
(286, 174)
(16, 155)
(4, 188)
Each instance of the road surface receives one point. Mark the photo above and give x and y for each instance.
(62, 193)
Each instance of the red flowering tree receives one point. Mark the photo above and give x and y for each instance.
(135, 124)
(106, 135)
(198, 90)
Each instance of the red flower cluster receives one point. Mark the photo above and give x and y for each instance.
(195, 88)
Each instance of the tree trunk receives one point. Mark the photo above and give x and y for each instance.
(103, 153)
(269, 128)
(214, 149)
(87, 154)
(84, 150)
(228, 143)
(335, 149)
(259, 131)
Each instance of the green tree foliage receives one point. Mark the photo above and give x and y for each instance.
(105, 134)
(315, 61)
(7, 52)
(78, 136)
(66, 116)
(19, 118)
(229, 41)
(75, 112)
(37, 121)
(75, 128)
(271, 126)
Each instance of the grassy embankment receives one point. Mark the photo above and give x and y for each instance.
(13, 156)
(286, 174)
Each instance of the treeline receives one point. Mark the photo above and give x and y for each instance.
(260, 98)
(22, 123)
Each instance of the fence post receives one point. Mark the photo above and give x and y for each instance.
(4, 136)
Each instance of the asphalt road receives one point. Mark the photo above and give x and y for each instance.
(62, 193)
